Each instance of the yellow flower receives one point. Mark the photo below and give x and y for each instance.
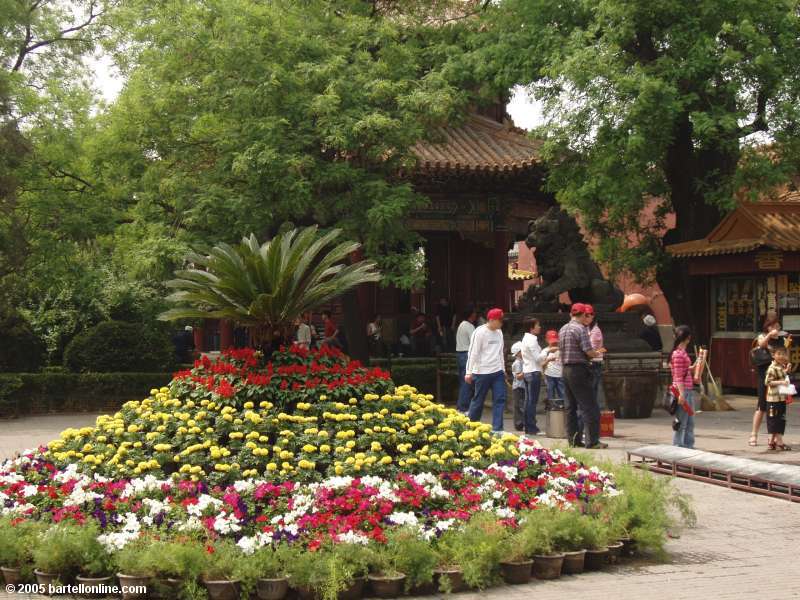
(272, 466)
(162, 447)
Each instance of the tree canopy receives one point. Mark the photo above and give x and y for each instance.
(661, 105)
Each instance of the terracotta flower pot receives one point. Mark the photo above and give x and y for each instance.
(516, 573)
(95, 584)
(595, 559)
(272, 589)
(573, 562)
(165, 588)
(454, 574)
(547, 566)
(387, 586)
(614, 552)
(222, 589)
(423, 589)
(306, 593)
(355, 590)
(46, 579)
(12, 575)
(130, 581)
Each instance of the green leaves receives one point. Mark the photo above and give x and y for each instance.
(270, 284)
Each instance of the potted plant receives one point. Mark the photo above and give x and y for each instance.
(57, 554)
(16, 544)
(594, 538)
(219, 573)
(385, 579)
(135, 568)
(568, 538)
(96, 565)
(270, 565)
(177, 564)
(332, 572)
(537, 537)
(415, 557)
(515, 565)
(448, 575)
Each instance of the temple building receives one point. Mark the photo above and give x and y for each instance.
(748, 264)
(485, 181)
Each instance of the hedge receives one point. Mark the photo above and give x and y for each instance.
(37, 393)
(421, 373)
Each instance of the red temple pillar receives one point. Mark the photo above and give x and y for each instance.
(199, 334)
(500, 265)
(225, 334)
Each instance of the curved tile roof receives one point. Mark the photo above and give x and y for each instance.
(479, 145)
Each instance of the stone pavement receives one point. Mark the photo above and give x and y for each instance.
(742, 546)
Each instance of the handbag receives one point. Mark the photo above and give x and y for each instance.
(759, 356)
(670, 401)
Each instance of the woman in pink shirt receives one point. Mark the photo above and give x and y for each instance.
(682, 379)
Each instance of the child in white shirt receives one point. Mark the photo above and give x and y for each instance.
(518, 387)
(553, 369)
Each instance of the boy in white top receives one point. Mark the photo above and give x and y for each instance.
(487, 370)
(463, 337)
(553, 369)
(532, 372)
(518, 387)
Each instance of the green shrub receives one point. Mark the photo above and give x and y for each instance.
(22, 350)
(116, 346)
(329, 570)
(412, 556)
(479, 550)
(16, 544)
(138, 558)
(27, 393)
(61, 549)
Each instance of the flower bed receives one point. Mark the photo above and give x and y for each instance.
(235, 464)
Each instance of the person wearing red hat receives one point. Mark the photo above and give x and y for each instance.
(486, 369)
(575, 349)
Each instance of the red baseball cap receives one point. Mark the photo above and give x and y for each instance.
(551, 336)
(588, 309)
(577, 309)
(495, 313)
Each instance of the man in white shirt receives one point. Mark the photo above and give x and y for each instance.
(486, 368)
(463, 337)
(531, 371)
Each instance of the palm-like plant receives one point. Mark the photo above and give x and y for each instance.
(267, 286)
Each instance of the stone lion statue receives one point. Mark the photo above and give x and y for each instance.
(565, 265)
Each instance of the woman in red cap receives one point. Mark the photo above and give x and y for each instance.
(486, 369)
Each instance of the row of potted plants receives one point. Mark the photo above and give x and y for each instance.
(542, 543)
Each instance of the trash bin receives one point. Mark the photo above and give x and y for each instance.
(556, 422)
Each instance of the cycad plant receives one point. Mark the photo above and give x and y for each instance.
(267, 286)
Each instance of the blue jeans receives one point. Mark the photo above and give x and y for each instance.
(533, 383)
(465, 390)
(597, 372)
(483, 383)
(555, 387)
(684, 437)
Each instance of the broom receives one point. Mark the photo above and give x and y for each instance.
(715, 390)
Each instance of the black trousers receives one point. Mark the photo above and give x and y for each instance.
(579, 388)
(776, 417)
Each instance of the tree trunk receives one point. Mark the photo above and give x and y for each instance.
(694, 219)
(355, 327)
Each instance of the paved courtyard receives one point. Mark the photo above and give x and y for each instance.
(741, 547)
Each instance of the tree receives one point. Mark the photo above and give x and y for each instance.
(267, 286)
(243, 116)
(651, 103)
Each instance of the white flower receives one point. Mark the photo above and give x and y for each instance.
(403, 518)
(352, 537)
(225, 523)
(248, 545)
(30, 490)
(244, 485)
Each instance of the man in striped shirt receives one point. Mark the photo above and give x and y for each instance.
(576, 350)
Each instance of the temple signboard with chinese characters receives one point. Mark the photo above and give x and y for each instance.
(749, 265)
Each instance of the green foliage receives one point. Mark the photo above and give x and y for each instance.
(116, 346)
(221, 561)
(646, 509)
(412, 556)
(17, 541)
(330, 569)
(138, 558)
(22, 350)
(656, 99)
(478, 550)
(268, 286)
(68, 548)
